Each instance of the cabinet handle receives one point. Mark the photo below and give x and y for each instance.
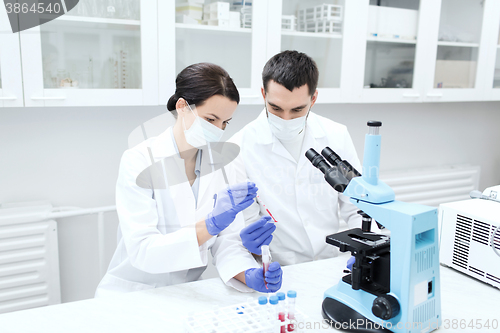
(435, 95)
(8, 98)
(411, 95)
(47, 98)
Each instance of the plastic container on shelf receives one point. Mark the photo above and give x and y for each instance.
(219, 10)
(245, 8)
(455, 74)
(181, 18)
(288, 22)
(191, 9)
(323, 26)
(220, 23)
(394, 23)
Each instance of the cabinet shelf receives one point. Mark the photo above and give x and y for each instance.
(310, 34)
(391, 40)
(212, 28)
(83, 19)
(458, 44)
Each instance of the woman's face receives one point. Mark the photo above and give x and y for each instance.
(217, 110)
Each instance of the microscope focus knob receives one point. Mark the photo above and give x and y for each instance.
(385, 307)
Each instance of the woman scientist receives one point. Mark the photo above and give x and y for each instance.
(169, 215)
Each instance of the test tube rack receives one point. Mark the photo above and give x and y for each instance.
(288, 22)
(325, 18)
(242, 317)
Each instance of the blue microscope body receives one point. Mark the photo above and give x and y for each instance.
(394, 284)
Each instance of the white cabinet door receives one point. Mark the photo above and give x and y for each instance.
(11, 86)
(190, 33)
(385, 51)
(492, 76)
(95, 55)
(316, 28)
(460, 51)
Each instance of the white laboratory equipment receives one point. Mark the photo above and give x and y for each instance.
(470, 235)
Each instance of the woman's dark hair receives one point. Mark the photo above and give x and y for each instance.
(198, 82)
(291, 69)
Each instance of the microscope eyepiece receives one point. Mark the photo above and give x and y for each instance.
(374, 123)
(333, 175)
(330, 155)
(314, 157)
(374, 126)
(345, 167)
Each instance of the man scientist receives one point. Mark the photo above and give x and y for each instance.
(272, 155)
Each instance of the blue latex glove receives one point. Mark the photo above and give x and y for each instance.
(257, 234)
(350, 262)
(228, 203)
(254, 278)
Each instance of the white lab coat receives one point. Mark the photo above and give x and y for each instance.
(306, 207)
(157, 243)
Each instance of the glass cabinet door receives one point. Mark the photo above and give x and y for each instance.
(94, 55)
(381, 50)
(461, 53)
(226, 33)
(391, 44)
(11, 87)
(315, 28)
(496, 75)
(458, 43)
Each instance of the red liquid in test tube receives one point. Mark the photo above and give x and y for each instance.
(267, 210)
(282, 318)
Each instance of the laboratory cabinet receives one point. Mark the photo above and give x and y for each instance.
(232, 34)
(99, 53)
(418, 50)
(129, 52)
(11, 90)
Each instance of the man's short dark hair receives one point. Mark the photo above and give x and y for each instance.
(292, 70)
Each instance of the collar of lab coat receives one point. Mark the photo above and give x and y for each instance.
(164, 146)
(266, 136)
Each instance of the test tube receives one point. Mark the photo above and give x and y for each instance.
(263, 313)
(292, 295)
(281, 310)
(267, 210)
(273, 309)
(266, 260)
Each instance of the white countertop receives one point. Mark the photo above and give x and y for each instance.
(163, 309)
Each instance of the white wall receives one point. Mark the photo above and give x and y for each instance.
(70, 156)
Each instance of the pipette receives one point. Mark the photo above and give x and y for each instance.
(267, 210)
(266, 259)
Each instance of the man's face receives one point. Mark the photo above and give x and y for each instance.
(288, 104)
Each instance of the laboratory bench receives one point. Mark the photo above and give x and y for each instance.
(164, 309)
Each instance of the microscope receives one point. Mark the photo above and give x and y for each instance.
(394, 283)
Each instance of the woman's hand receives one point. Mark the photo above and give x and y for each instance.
(228, 203)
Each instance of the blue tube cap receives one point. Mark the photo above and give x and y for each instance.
(292, 293)
(273, 300)
(262, 300)
(281, 296)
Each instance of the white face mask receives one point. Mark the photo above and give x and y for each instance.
(201, 132)
(286, 130)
